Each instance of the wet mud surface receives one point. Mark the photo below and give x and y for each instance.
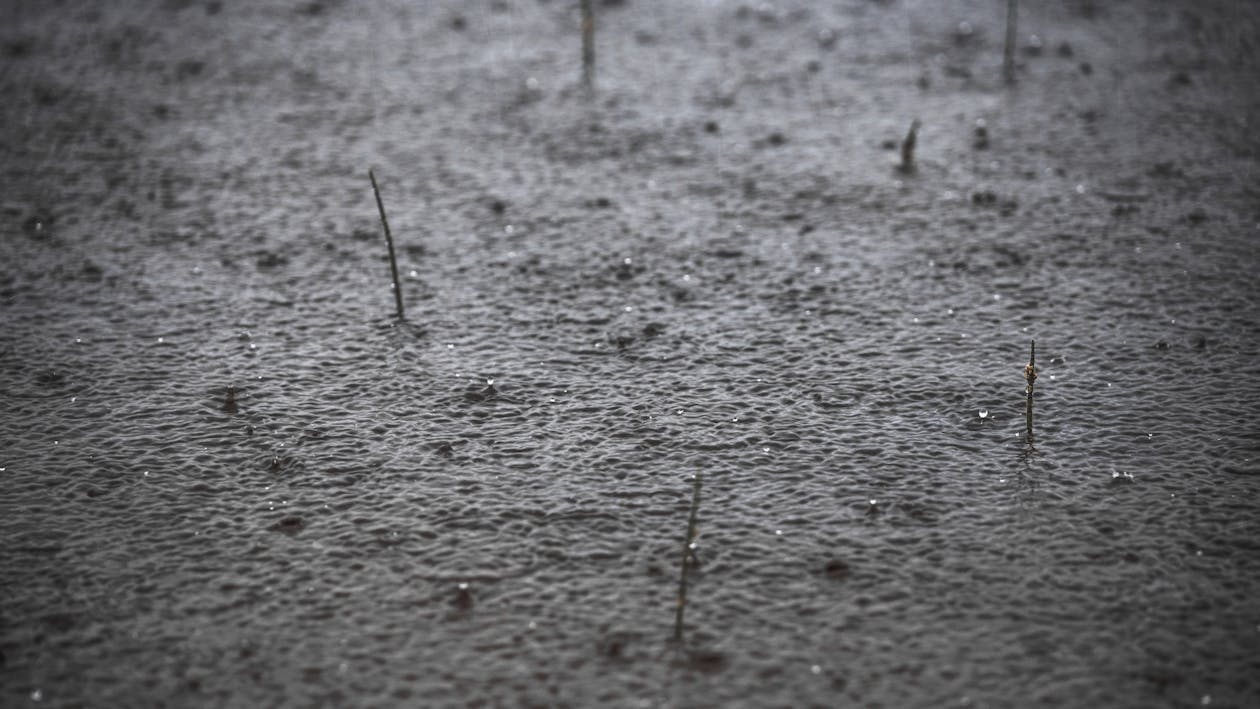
(228, 477)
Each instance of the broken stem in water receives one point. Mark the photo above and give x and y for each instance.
(1008, 52)
(1030, 376)
(687, 555)
(389, 241)
(588, 45)
(907, 148)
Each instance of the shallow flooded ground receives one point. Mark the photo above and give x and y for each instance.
(711, 266)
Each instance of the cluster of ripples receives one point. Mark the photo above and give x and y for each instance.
(229, 476)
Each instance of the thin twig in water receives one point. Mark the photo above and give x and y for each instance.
(1008, 51)
(907, 148)
(588, 45)
(687, 555)
(389, 241)
(1030, 376)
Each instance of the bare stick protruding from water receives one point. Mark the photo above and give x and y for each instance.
(687, 555)
(389, 241)
(1030, 376)
(1008, 52)
(907, 148)
(588, 45)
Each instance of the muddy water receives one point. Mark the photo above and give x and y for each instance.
(711, 267)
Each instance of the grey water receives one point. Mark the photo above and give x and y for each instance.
(484, 504)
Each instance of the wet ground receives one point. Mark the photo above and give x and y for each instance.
(711, 266)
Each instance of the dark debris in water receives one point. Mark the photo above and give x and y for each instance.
(462, 598)
(289, 525)
(229, 401)
(39, 225)
(269, 260)
(836, 569)
(702, 660)
(486, 393)
(653, 329)
(49, 377)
